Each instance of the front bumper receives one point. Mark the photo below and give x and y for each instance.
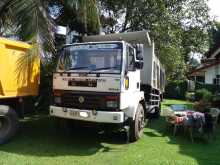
(87, 115)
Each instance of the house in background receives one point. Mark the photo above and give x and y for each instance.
(209, 70)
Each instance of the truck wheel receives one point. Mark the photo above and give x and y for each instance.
(8, 123)
(137, 126)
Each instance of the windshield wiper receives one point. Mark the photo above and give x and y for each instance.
(104, 68)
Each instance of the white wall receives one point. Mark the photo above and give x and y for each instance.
(211, 73)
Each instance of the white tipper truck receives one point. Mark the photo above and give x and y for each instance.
(109, 79)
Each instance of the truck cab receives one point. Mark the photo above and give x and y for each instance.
(100, 82)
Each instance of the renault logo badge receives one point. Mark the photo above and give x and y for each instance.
(81, 99)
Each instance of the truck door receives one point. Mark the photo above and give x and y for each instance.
(133, 74)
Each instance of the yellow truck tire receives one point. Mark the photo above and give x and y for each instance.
(9, 123)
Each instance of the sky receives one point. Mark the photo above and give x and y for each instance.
(214, 6)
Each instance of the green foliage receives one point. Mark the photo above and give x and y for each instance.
(216, 101)
(35, 19)
(214, 33)
(190, 96)
(31, 21)
(176, 89)
(178, 27)
(216, 98)
(79, 15)
(212, 88)
(204, 95)
(45, 90)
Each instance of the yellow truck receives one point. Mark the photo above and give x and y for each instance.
(19, 78)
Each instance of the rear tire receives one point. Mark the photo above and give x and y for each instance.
(8, 123)
(137, 126)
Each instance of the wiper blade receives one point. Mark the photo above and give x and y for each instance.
(104, 68)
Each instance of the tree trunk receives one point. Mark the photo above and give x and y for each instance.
(2, 4)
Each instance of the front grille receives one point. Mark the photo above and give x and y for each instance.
(90, 101)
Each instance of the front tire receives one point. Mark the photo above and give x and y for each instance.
(8, 123)
(137, 126)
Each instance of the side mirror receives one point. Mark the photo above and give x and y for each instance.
(139, 55)
(139, 64)
(139, 51)
(126, 72)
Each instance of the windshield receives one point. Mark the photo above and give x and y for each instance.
(105, 58)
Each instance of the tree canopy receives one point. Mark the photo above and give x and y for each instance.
(215, 35)
(36, 20)
(178, 27)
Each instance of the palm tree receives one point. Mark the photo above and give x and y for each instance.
(31, 21)
(79, 15)
(34, 20)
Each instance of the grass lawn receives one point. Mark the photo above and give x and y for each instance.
(39, 143)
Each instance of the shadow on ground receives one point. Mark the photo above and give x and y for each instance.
(39, 136)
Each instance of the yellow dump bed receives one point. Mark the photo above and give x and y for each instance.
(19, 76)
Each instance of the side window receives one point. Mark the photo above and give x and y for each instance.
(216, 81)
(130, 59)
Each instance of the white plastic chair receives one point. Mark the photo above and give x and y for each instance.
(215, 114)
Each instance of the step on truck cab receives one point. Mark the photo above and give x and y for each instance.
(115, 79)
(19, 79)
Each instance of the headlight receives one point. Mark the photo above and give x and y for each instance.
(112, 104)
(57, 100)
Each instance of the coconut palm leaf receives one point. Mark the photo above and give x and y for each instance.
(31, 19)
(25, 64)
(80, 15)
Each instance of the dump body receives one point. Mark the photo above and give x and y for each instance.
(19, 75)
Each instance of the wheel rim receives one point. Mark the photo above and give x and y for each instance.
(141, 121)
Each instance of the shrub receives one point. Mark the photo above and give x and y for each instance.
(204, 95)
(209, 87)
(216, 101)
(190, 96)
(202, 106)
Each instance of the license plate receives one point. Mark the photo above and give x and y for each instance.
(79, 114)
(74, 113)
